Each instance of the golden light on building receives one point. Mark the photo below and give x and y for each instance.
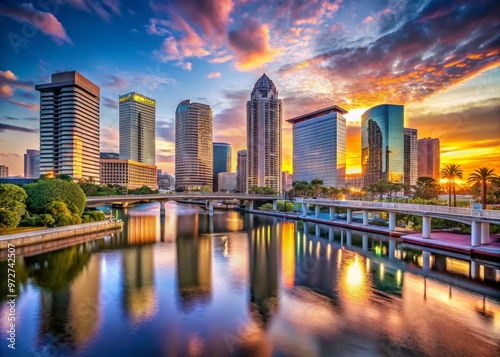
(288, 255)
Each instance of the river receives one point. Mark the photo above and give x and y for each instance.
(235, 284)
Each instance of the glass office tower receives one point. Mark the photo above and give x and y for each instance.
(137, 128)
(382, 144)
(319, 146)
(69, 126)
(193, 147)
(222, 161)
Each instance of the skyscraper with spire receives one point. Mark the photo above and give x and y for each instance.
(264, 113)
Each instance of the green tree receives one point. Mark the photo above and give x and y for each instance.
(451, 172)
(65, 177)
(45, 220)
(12, 198)
(427, 188)
(43, 192)
(380, 187)
(8, 219)
(317, 185)
(300, 188)
(482, 177)
(334, 193)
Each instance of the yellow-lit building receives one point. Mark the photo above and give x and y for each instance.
(128, 173)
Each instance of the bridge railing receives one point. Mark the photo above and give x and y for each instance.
(458, 211)
(179, 195)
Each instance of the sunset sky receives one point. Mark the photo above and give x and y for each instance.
(441, 59)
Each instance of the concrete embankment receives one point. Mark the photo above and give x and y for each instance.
(42, 239)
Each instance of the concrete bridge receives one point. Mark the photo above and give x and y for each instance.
(479, 220)
(209, 197)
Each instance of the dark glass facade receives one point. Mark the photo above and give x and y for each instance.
(222, 157)
(382, 144)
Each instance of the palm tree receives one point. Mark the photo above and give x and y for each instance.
(317, 185)
(483, 177)
(451, 172)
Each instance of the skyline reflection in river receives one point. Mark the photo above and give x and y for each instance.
(235, 284)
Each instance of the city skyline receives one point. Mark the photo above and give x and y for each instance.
(356, 55)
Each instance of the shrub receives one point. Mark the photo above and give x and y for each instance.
(44, 220)
(43, 192)
(8, 218)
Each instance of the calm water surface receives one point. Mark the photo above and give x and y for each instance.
(246, 285)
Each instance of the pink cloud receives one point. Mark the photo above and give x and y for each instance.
(43, 21)
(368, 19)
(222, 59)
(212, 75)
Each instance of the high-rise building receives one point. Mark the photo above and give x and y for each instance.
(32, 164)
(4, 171)
(137, 128)
(382, 144)
(222, 161)
(193, 147)
(286, 181)
(109, 155)
(264, 112)
(165, 181)
(319, 146)
(411, 156)
(69, 126)
(227, 181)
(429, 152)
(241, 171)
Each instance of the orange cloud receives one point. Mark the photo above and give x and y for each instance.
(250, 43)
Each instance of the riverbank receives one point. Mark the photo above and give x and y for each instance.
(451, 242)
(47, 235)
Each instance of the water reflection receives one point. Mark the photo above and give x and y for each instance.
(194, 270)
(248, 285)
(264, 242)
(139, 292)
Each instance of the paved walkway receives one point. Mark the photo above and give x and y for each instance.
(455, 242)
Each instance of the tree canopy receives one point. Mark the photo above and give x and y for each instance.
(12, 198)
(43, 192)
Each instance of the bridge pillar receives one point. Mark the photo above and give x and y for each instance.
(426, 227)
(349, 215)
(485, 233)
(475, 233)
(211, 224)
(318, 232)
(332, 213)
(210, 207)
(365, 242)
(365, 217)
(348, 238)
(316, 211)
(304, 209)
(250, 205)
(275, 205)
(392, 248)
(392, 221)
(330, 234)
(426, 260)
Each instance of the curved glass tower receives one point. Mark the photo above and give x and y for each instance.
(264, 113)
(382, 144)
(193, 147)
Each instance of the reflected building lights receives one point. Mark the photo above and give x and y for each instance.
(287, 255)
